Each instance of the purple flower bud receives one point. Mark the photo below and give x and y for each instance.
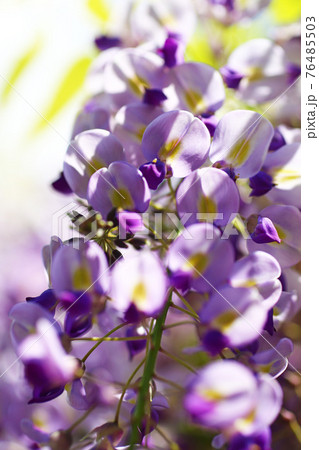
(261, 183)
(61, 185)
(47, 300)
(105, 42)
(277, 141)
(172, 51)
(294, 71)
(265, 232)
(154, 97)
(231, 77)
(154, 173)
(129, 222)
(210, 122)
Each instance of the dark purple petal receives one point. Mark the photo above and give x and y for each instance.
(105, 42)
(181, 280)
(154, 173)
(269, 325)
(47, 300)
(214, 341)
(135, 347)
(42, 395)
(294, 71)
(129, 222)
(61, 185)
(154, 97)
(265, 232)
(277, 141)
(211, 123)
(172, 51)
(260, 440)
(228, 4)
(78, 319)
(261, 183)
(231, 77)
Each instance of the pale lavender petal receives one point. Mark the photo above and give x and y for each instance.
(89, 151)
(179, 139)
(208, 191)
(241, 140)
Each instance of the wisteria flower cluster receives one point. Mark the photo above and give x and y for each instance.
(169, 306)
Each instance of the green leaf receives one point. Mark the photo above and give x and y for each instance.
(68, 88)
(19, 68)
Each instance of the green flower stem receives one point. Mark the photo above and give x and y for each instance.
(185, 311)
(143, 394)
(170, 382)
(178, 360)
(156, 234)
(80, 419)
(177, 324)
(186, 303)
(107, 339)
(85, 357)
(118, 409)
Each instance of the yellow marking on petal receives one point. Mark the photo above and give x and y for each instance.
(282, 235)
(248, 283)
(169, 150)
(244, 423)
(265, 368)
(81, 279)
(284, 175)
(239, 152)
(121, 198)
(95, 164)
(225, 320)
(138, 85)
(276, 311)
(206, 205)
(197, 263)
(140, 133)
(139, 295)
(210, 394)
(194, 100)
(254, 73)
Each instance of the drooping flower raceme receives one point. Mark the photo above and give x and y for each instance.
(189, 241)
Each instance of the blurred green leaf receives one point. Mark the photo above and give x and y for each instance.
(99, 8)
(19, 68)
(285, 11)
(68, 88)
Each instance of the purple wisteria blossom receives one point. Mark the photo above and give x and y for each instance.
(184, 255)
(208, 194)
(144, 290)
(88, 152)
(120, 186)
(179, 139)
(241, 141)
